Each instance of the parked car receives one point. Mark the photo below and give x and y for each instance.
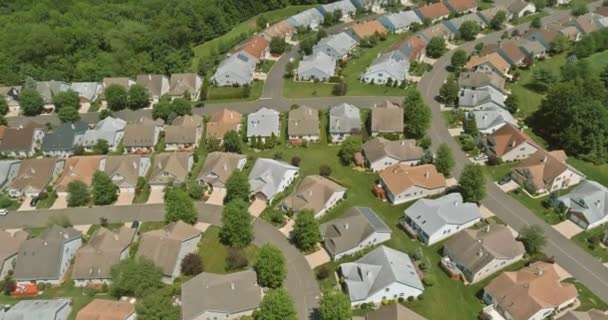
(3, 211)
(34, 201)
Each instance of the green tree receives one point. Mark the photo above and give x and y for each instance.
(348, 148)
(459, 58)
(417, 115)
(560, 44)
(305, 234)
(512, 103)
(31, 102)
(135, 277)
(277, 305)
(101, 147)
(104, 190)
(68, 114)
(3, 106)
(534, 239)
(544, 78)
(604, 76)
(179, 206)
(237, 187)
(472, 184)
(449, 92)
(335, 305)
(138, 97)
(158, 305)
(436, 47)
(270, 267)
(192, 264)
(237, 230)
(67, 98)
(444, 161)
(162, 110)
(116, 97)
(498, 20)
(232, 142)
(469, 30)
(536, 22)
(278, 45)
(78, 194)
(181, 107)
(579, 8)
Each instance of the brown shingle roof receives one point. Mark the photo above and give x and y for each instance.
(125, 166)
(508, 137)
(401, 150)
(434, 11)
(393, 311)
(218, 167)
(281, 29)
(222, 122)
(401, 177)
(96, 259)
(493, 58)
(170, 167)
(17, 139)
(387, 117)
(80, 168)
(139, 135)
(11, 242)
(100, 309)
(303, 121)
(34, 173)
(256, 46)
(603, 11)
(542, 167)
(312, 193)
(475, 80)
(462, 5)
(368, 28)
(512, 51)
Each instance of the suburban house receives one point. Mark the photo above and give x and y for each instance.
(354, 231)
(94, 261)
(11, 95)
(237, 69)
(222, 122)
(303, 125)
(520, 8)
(480, 98)
(317, 66)
(545, 35)
(270, 177)
(120, 81)
(47, 89)
(88, 92)
(488, 14)
(587, 204)
(8, 172)
(436, 31)
(344, 120)
(381, 153)
(593, 314)
(221, 296)
(492, 62)
(572, 33)
(47, 257)
(534, 292)
(363, 30)
(433, 220)
(588, 23)
(22, 141)
(390, 67)
(109, 129)
(168, 246)
(383, 273)
(482, 252)
(386, 118)
(315, 193)
(433, 12)
(461, 6)
(391, 311)
(491, 118)
(345, 6)
(100, 309)
(337, 46)
(125, 170)
(512, 53)
(257, 46)
(280, 29)
(156, 84)
(50, 309)
(11, 242)
(510, 143)
(34, 176)
(370, 5)
(404, 183)
(412, 47)
(533, 49)
(545, 172)
(80, 168)
(170, 168)
(184, 133)
(400, 22)
(476, 80)
(454, 24)
(141, 137)
(185, 85)
(219, 166)
(309, 19)
(61, 141)
(263, 124)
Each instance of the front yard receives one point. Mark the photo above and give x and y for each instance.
(214, 253)
(235, 94)
(590, 241)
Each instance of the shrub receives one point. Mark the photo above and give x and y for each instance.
(236, 260)
(323, 273)
(325, 170)
(276, 217)
(410, 298)
(295, 161)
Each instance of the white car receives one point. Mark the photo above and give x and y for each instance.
(3, 212)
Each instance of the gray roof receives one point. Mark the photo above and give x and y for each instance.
(517, 6)
(124, 169)
(105, 129)
(62, 138)
(590, 199)
(263, 122)
(157, 84)
(170, 167)
(37, 309)
(347, 232)
(393, 63)
(219, 166)
(87, 90)
(5, 167)
(344, 5)
(378, 269)
(470, 98)
(303, 121)
(306, 18)
(473, 80)
(11, 242)
(319, 61)
(403, 19)
(386, 118)
(432, 214)
(339, 44)
(393, 311)
(240, 65)
(532, 46)
(180, 83)
(48, 88)
(266, 175)
(140, 135)
(222, 293)
(344, 118)
(492, 116)
(457, 22)
(400, 150)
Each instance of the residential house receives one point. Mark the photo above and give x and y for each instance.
(168, 246)
(391, 311)
(601, 11)
(572, 33)
(303, 125)
(125, 170)
(587, 23)
(381, 153)
(270, 177)
(491, 118)
(94, 261)
(354, 231)
(237, 69)
(510, 143)
(170, 168)
(185, 85)
(344, 120)
(545, 172)
(218, 167)
(433, 12)
(364, 30)
(221, 296)
(11, 95)
(386, 118)
(404, 183)
(79, 168)
(461, 6)
(280, 29)
(370, 5)
(345, 6)
(47, 89)
(475, 80)
(47, 257)
(22, 141)
(109, 129)
(492, 62)
(390, 67)
(436, 31)
(124, 82)
(480, 98)
(309, 19)
(545, 35)
(317, 66)
(8, 172)
(400, 22)
(101, 309)
(34, 176)
(156, 84)
(533, 49)
(257, 46)
(587, 204)
(455, 23)
(511, 52)
(184, 133)
(222, 122)
(337, 46)
(412, 47)
(315, 193)
(11, 242)
(433, 220)
(487, 15)
(383, 273)
(534, 292)
(479, 253)
(520, 8)
(141, 137)
(88, 92)
(61, 141)
(593, 314)
(263, 124)
(50, 309)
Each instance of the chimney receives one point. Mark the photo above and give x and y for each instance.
(232, 286)
(134, 165)
(225, 167)
(539, 271)
(368, 274)
(513, 144)
(488, 228)
(544, 159)
(346, 226)
(427, 174)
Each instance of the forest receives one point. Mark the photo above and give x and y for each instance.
(86, 40)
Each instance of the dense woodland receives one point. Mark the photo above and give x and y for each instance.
(80, 40)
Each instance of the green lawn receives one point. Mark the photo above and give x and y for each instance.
(594, 172)
(500, 171)
(214, 254)
(587, 298)
(7, 202)
(536, 206)
(48, 202)
(583, 240)
(528, 18)
(265, 66)
(151, 225)
(234, 94)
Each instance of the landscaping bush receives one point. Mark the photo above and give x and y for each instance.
(276, 217)
(236, 260)
(325, 170)
(323, 273)
(295, 161)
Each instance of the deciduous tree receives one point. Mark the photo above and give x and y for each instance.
(459, 58)
(116, 97)
(104, 190)
(237, 187)
(68, 114)
(135, 277)
(138, 97)
(67, 98)
(444, 161)
(305, 234)
(335, 305)
(472, 183)
(436, 47)
(270, 267)
(348, 148)
(158, 305)
(31, 102)
(232, 142)
(78, 194)
(534, 238)
(179, 206)
(277, 305)
(192, 264)
(469, 30)
(417, 115)
(237, 230)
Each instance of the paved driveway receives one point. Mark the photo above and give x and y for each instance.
(286, 230)
(318, 258)
(125, 198)
(61, 202)
(217, 197)
(256, 207)
(508, 187)
(568, 229)
(156, 196)
(25, 205)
